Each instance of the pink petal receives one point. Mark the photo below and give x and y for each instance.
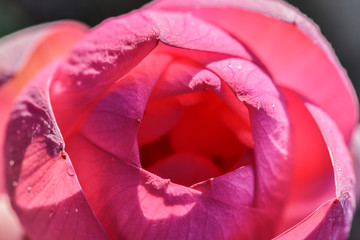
(294, 42)
(335, 216)
(125, 197)
(33, 47)
(313, 177)
(269, 124)
(113, 123)
(236, 188)
(41, 181)
(201, 130)
(112, 49)
(23, 53)
(327, 220)
(159, 118)
(345, 179)
(10, 227)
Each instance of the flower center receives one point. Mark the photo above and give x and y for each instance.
(191, 138)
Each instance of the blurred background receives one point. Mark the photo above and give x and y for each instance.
(339, 21)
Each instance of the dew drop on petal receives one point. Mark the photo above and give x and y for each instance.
(258, 105)
(14, 183)
(230, 66)
(29, 189)
(70, 171)
(11, 163)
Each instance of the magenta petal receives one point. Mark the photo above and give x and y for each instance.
(43, 187)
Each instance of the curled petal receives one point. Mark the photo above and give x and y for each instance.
(279, 35)
(22, 54)
(269, 123)
(44, 190)
(334, 217)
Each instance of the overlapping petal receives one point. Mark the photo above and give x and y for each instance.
(288, 44)
(24, 53)
(41, 181)
(334, 217)
(159, 68)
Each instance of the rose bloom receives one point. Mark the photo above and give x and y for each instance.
(182, 120)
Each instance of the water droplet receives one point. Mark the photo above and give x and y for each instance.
(273, 105)
(67, 212)
(18, 132)
(138, 120)
(14, 183)
(29, 189)
(258, 105)
(63, 155)
(76, 210)
(70, 171)
(230, 66)
(239, 67)
(11, 162)
(51, 214)
(79, 83)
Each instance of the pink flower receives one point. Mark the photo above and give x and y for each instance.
(181, 120)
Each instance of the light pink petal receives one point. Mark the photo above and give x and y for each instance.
(10, 227)
(335, 216)
(355, 150)
(33, 44)
(41, 181)
(23, 53)
(288, 44)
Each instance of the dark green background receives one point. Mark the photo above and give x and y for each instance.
(339, 22)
